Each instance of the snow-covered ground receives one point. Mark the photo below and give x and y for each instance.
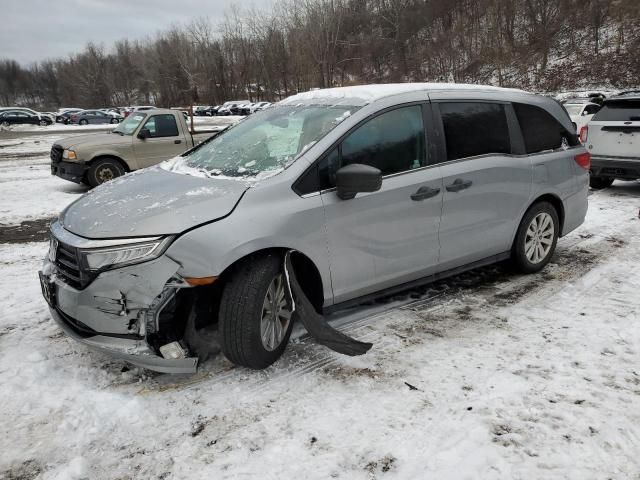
(28, 191)
(497, 376)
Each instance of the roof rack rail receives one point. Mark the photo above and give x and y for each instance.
(628, 92)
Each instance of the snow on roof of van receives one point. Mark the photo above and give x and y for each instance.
(369, 93)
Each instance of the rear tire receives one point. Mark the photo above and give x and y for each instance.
(104, 170)
(536, 239)
(83, 122)
(245, 316)
(598, 183)
(114, 120)
(43, 123)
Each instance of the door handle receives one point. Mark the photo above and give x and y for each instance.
(424, 192)
(459, 184)
(177, 142)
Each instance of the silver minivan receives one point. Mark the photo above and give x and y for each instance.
(369, 189)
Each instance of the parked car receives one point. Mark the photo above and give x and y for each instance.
(63, 114)
(245, 109)
(613, 139)
(581, 113)
(86, 117)
(200, 110)
(240, 108)
(143, 139)
(256, 107)
(389, 187)
(29, 111)
(227, 107)
(114, 112)
(21, 117)
(213, 110)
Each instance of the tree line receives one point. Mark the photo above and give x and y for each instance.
(540, 45)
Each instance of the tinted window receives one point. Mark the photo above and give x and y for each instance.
(162, 126)
(591, 109)
(619, 110)
(541, 131)
(474, 128)
(392, 142)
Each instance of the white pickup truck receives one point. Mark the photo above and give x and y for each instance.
(145, 138)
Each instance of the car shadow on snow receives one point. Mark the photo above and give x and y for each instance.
(622, 188)
(73, 188)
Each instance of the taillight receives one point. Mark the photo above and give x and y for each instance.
(584, 160)
(584, 133)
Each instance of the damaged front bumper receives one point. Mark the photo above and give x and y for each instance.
(127, 313)
(136, 352)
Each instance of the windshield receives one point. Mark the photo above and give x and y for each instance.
(129, 125)
(263, 144)
(573, 109)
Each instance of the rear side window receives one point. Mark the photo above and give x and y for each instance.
(620, 111)
(541, 131)
(474, 128)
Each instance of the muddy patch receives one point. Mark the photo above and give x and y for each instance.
(27, 231)
(343, 372)
(27, 470)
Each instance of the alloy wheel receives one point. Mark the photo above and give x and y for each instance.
(276, 314)
(539, 237)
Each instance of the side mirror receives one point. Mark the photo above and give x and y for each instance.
(144, 133)
(356, 178)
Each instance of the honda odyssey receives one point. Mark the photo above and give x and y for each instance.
(367, 190)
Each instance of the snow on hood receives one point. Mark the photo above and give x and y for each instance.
(151, 202)
(179, 165)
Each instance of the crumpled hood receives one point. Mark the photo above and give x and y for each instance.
(151, 202)
(95, 139)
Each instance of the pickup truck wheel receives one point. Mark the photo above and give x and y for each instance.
(255, 317)
(102, 171)
(536, 238)
(83, 122)
(598, 183)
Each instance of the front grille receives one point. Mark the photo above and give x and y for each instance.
(56, 153)
(70, 268)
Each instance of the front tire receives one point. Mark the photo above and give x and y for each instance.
(598, 183)
(255, 318)
(114, 120)
(43, 123)
(536, 239)
(83, 122)
(103, 171)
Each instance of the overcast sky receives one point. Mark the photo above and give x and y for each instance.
(33, 30)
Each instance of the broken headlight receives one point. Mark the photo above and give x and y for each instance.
(118, 256)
